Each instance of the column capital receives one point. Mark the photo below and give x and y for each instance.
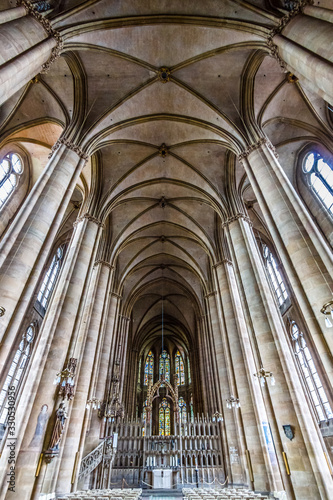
(70, 145)
(221, 262)
(114, 294)
(104, 263)
(45, 23)
(90, 218)
(235, 218)
(257, 145)
(283, 21)
(210, 294)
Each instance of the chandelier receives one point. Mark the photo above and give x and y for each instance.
(217, 416)
(113, 408)
(262, 374)
(327, 310)
(66, 379)
(232, 402)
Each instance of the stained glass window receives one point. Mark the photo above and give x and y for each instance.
(144, 417)
(16, 371)
(11, 168)
(50, 278)
(165, 365)
(311, 377)
(139, 372)
(189, 370)
(191, 409)
(164, 418)
(320, 177)
(275, 276)
(149, 367)
(182, 411)
(179, 368)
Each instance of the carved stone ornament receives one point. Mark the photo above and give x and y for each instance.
(164, 75)
(229, 220)
(298, 8)
(90, 218)
(70, 145)
(163, 150)
(56, 51)
(257, 145)
(103, 263)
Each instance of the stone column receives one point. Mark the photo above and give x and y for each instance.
(26, 245)
(304, 253)
(100, 374)
(59, 339)
(242, 363)
(230, 438)
(305, 45)
(286, 400)
(28, 45)
(92, 351)
(11, 14)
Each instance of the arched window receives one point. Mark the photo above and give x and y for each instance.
(50, 278)
(275, 276)
(11, 167)
(311, 377)
(179, 368)
(320, 177)
(149, 367)
(188, 370)
(139, 372)
(144, 417)
(15, 374)
(164, 367)
(191, 409)
(182, 411)
(164, 418)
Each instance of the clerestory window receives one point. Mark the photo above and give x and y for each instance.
(319, 174)
(275, 276)
(50, 278)
(312, 380)
(15, 375)
(11, 167)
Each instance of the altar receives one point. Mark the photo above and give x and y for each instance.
(162, 478)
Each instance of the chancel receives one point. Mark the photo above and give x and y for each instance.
(166, 230)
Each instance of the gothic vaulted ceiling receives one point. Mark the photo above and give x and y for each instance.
(164, 95)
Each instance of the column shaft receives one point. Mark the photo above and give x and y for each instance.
(310, 474)
(56, 343)
(305, 255)
(79, 416)
(11, 14)
(28, 241)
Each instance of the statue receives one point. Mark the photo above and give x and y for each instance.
(58, 429)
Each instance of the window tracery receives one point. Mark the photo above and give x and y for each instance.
(50, 278)
(149, 367)
(164, 418)
(310, 375)
(319, 174)
(179, 365)
(11, 167)
(182, 411)
(16, 371)
(275, 276)
(164, 365)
